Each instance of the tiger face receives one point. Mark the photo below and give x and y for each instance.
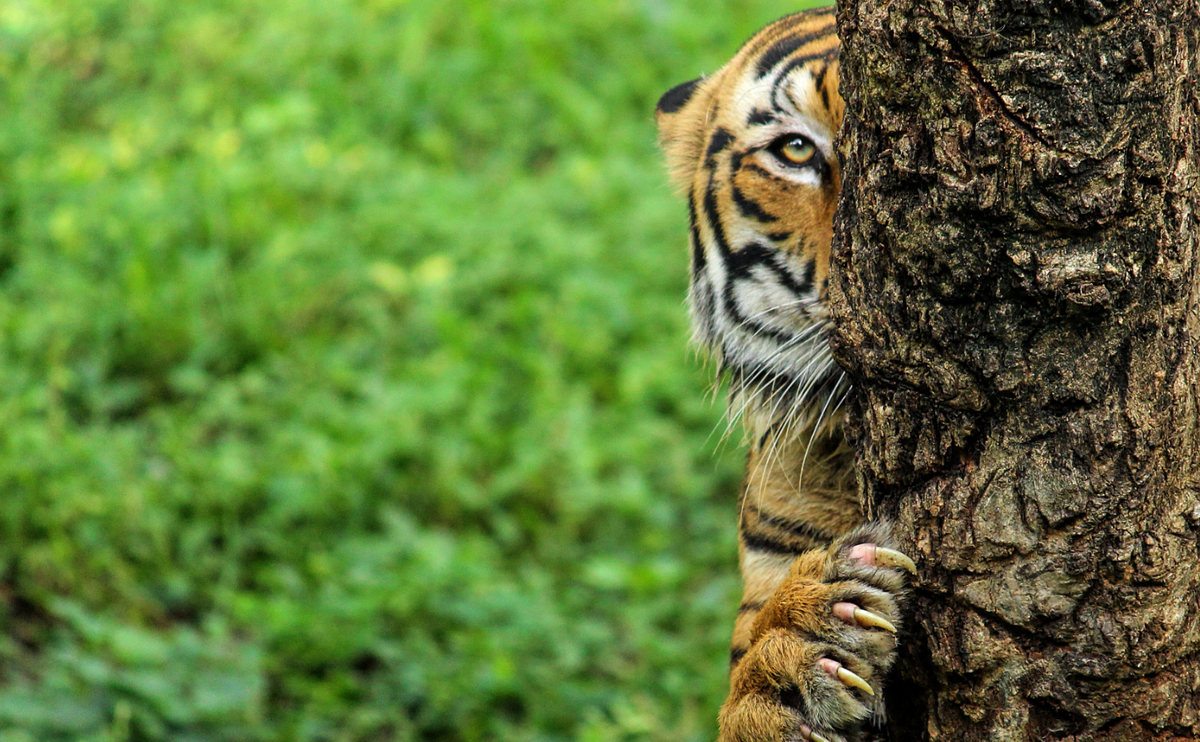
(753, 146)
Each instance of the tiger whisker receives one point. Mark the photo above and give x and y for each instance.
(816, 429)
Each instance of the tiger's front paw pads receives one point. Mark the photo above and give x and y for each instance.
(821, 645)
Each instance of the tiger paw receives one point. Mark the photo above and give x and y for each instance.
(821, 646)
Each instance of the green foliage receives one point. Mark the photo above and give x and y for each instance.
(346, 394)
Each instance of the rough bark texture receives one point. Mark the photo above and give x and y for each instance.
(1017, 287)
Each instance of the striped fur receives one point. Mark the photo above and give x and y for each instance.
(760, 223)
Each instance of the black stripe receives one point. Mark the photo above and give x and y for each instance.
(819, 82)
(828, 55)
(698, 259)
(759, 542)
(819, 78)
(703, 306)
(810, 272)
(782, 48)
(677, 97)
(735, 656)
(738, 265)
(760, 117)
(755, 254)
(721, 138)
(794, 527)
(711, 212)
(749, 257)
(750, 209)
(701, 294)
(759, 329)
(753, 605)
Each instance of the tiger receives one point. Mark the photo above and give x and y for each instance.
(754, 148)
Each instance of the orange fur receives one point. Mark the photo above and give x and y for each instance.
(761, 228)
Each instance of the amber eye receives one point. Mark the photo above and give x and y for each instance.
(793, 151)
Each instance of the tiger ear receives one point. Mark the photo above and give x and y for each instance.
(677, 97)
(680, 115)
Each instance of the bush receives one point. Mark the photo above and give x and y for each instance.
(346, 387)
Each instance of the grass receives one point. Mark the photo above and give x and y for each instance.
(346, 390)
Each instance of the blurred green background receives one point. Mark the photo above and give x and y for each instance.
(346, 389)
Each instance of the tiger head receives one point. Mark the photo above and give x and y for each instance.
(753, 148)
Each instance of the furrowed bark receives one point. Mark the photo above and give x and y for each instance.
(1017, 289)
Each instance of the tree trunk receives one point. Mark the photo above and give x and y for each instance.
(1017, 289)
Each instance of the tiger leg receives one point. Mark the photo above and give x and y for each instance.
(819, 648)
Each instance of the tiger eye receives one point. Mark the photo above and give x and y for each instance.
(798, 150)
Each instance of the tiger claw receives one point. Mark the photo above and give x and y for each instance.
(852, 614)
(848, 678)
(812, 736)
(867, 618)
(885, 557)
(855, 681)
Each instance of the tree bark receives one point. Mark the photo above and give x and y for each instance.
(1017, 291)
